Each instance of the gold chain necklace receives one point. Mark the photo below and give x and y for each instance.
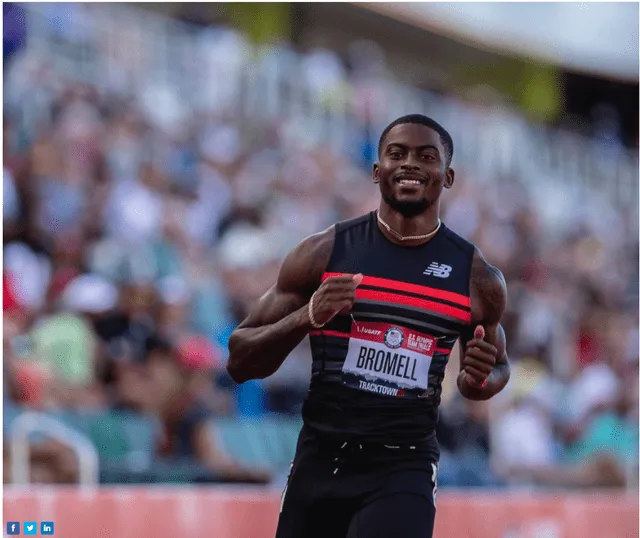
(408, 237)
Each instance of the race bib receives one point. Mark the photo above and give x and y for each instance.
(388, 360)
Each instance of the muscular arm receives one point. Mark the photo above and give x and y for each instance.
(280, 320)
(488, 303)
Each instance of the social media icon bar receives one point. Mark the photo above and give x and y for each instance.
(13, 527)
(46, 528)
(30, 528)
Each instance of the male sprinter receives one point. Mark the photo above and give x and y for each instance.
(384, 297)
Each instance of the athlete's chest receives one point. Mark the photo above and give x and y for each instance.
(410, 308)
(438, 271)
(439, 264)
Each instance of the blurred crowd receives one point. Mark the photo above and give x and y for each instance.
(131, 251)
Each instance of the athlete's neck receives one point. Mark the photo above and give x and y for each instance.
(422, 224)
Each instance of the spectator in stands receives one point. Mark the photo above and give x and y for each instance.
(522, 431)
(605, 452)
(463, 434)
(66, 343)
(172, 318)
(50, 462)
(177, 395)
(287, 388)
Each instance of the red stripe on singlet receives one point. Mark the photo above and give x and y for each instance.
(329, 333)
(410, 288)
(394, 298)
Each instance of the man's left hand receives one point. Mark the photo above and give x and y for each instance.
(479, 359)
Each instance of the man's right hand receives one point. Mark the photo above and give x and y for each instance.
(280, 320)
(336, 294)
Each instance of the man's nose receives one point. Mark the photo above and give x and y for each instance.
(410, 164)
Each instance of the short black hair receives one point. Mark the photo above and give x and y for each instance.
(155, 343)
(419, 119)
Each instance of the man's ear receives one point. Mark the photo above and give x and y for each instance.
(449, 177)
(376, 172)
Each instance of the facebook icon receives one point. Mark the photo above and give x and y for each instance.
(46, 527)
(13, 527)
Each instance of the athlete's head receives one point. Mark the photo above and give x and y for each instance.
(414, 154)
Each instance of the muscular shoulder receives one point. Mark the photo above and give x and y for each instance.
(488, 289)
(304, 266)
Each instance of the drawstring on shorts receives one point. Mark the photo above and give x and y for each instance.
(349, 448)
(340, 459)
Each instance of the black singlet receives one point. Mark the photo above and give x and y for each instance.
(377, 376)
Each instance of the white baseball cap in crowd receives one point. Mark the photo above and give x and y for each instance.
(91, 294)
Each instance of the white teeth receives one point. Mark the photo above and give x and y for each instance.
(410, 182)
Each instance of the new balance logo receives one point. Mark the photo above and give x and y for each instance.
(439, 270)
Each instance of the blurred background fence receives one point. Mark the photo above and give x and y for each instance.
(190, 512)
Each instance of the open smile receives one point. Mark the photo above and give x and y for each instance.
(406, 179)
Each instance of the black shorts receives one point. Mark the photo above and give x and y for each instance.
(351, 490)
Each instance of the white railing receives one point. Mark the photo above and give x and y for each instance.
(116, 45)
(31, 422)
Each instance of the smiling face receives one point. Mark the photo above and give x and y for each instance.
(413, 169)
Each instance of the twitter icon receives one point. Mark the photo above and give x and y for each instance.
(30, 527)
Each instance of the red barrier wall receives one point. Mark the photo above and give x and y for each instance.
(223, 512)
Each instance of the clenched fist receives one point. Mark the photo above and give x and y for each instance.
(479, 359)
(336, 294)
